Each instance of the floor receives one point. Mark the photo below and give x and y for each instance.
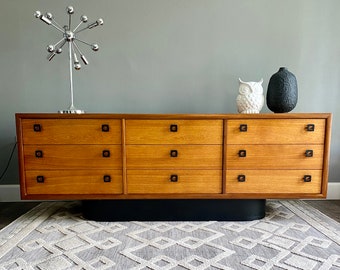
(330, 208)
(9, 211)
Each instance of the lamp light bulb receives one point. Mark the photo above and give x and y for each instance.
(70, 10)
(37, 14)
(49, 15)
(51, 55)
(100, 21)
(84, 59)
(84, 18)
(45, 19)
(95, 47)
(50, 48)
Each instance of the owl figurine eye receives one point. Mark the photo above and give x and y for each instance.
(244, 87)
(250, 98)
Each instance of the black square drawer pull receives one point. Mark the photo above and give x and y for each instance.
(107, 178)
(242, 153)
(173, 128)
(38, 154)
(243, 128)
(173, 153)
(174, 178)
(105, 128)
(310, 127)
(309, 153)
(106, 153)
(307, 178)
(241, 178)
(37, 127)
(40, 179)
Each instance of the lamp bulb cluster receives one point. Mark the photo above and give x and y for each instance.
(70, 36)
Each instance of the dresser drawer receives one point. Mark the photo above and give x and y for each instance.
(174, 156)
(274, 156)
(174, 131)
(74, 182)
(72, 157)
(174, 181)
(274, 181)
(71, 131)
(275, 131)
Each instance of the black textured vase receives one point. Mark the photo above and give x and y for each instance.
(282, 92)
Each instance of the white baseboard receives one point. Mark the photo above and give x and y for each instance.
(333, 192)
(11, 193)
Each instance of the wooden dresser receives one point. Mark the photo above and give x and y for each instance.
(173, 156)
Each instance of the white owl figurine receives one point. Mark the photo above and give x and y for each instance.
(250, 98)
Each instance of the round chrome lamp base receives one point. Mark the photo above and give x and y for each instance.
(74, 111)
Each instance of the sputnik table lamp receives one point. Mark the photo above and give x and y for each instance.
(70, 37)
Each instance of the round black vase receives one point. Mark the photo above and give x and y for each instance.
(282, 92)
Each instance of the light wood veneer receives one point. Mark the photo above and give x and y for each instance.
(173, 156)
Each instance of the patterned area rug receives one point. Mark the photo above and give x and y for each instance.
(54, 236)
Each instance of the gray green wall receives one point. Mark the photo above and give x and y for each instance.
(169, 56)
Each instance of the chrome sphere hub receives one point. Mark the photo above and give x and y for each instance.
(69, 35)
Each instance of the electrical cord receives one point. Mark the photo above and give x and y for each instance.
(8, 162)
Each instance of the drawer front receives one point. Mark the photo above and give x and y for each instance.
(274, 181)
(275, 131)
(174, 181)
(74, 182)
(174, 131)
(71, 131)
(174, 156)
(274, 157)
(72, 157)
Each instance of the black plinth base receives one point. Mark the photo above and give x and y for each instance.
(174, 210)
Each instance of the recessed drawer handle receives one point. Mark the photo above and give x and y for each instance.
(173, 153)
(105, 128)
(173, 128)
(307, 178)
(242, 153)
(243, 128)
(107, 178)
(106, 153)
(38, 154)
(37, 128)
(174, 178)
(40, 179)
(309, 153)
(310, 127)
(241, 178)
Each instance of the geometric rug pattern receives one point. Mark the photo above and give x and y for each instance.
(54, 236)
